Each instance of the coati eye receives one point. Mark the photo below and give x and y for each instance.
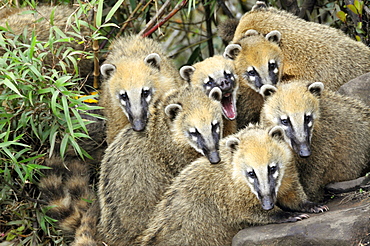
(210, 81)
(307, 118)
(285, 122)
(251, 174)
(272, 169)
(272, 65)
(123, 96)
(227, 75)
(252, 73)
(193, 132)
(215, 126)
(145, 93)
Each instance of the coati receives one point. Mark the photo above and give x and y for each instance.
(213, 72)
(311, 51)
(240, 103)
(139, 165)
(329, 133)
(208, 204)
(258, 60)
(135, 71)
(18, 19)
(218, 72)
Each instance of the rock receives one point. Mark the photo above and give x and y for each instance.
(358, 88)
(351, 185)
(346, 223)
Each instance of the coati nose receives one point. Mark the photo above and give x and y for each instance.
(225, 84)
(304, 151)
(214, 157)
(138, 125)
(267, 203)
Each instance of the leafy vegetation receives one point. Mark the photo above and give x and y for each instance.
(41, 86)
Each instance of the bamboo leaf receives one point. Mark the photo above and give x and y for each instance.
(67, 117)
(53, 104)
(113, 10)
(99, 14)
(11, 86)
(64, 145)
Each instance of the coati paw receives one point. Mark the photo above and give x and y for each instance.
(311, 207)
(319, 209)
(286, 217)
(297, 217)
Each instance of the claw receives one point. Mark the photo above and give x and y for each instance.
(304, 216)
(320, 209)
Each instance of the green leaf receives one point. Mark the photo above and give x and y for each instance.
(52, 138)
(61, 81)
(80, 120)
(359, 6)
(52, 17)
(32, 46)
(53, 104)
(10, 85)
(35, 166)
(34, 129)
(99, 13)
(64, 145)
(8, 143)
(28, 160)
(113, 10)
(45, 90)
(60, 33)
(194, 56)
(66, 114)
(352, 8)
(342, 16)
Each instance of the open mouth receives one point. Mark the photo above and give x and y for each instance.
(228, 107)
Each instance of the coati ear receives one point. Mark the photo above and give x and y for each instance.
(215, 94)
(107, 70)
(259, 5)
(153, 60)
(172, 110)
(186, 72)
(267, 90)
(277, 132)
(232, 51)
(250, 32)
(274, 36)
(316, 88)
(232, 143)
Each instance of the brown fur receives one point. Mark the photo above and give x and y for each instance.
(209, 204)
(65, 186)
(226, 29)
(249, 105)
(248, 102)
(311, 51)
(86, 233)
(138, 166)
(69, 181)
(128, 54)
(340, 143)
(214, 67)
(258, 60)
(18, 22)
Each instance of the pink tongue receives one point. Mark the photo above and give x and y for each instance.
(228, 107)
